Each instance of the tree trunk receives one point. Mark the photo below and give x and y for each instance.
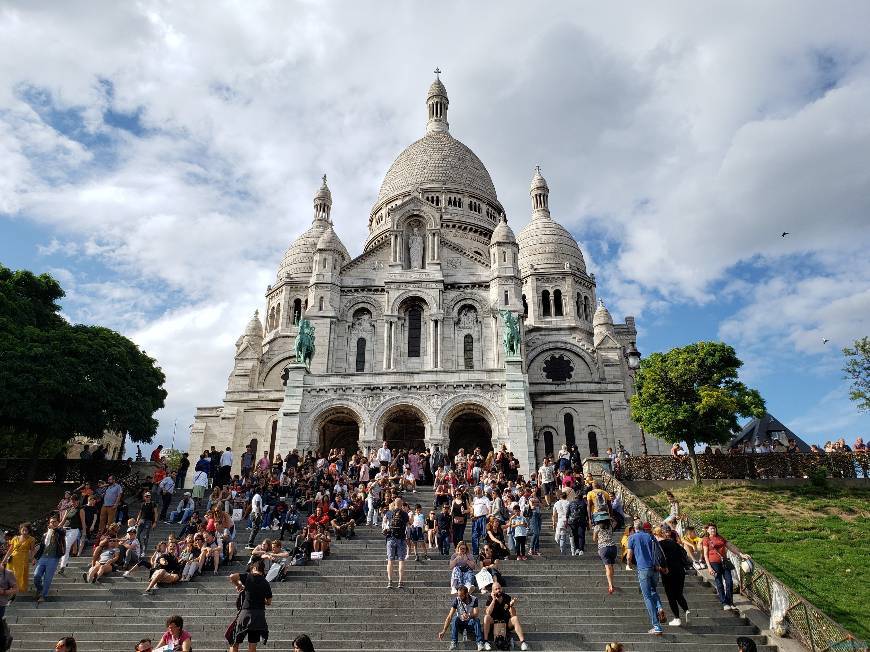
(38, 443)
(693, 462)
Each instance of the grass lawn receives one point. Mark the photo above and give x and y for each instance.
(815, 540)
(28, 503)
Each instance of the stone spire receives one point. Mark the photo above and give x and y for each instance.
(322, 202)
(540, 193)
(255, 326)
(436, 104)
(602, 324)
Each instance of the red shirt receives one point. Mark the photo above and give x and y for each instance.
(715, 548)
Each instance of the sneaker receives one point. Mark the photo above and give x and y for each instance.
(519, 558)
(480, 646)
(627, 567)
(452, 645)
(487, 646)
(726, 607)
(734, 607)
(61, 571)
(125, 574)
(400, 586)
(675, 622)
(579, 553)
(655, 631)
(524, 646)
(686, 618)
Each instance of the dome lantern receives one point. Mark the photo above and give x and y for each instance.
(436, 105)
(322, 202)
(540, 193)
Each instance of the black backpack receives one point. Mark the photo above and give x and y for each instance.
(397, 525)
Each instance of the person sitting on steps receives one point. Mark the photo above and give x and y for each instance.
(464, 615)
(500, 608)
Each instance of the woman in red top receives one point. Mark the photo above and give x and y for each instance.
(716, 556)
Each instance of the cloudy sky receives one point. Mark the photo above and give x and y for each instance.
(159, 157)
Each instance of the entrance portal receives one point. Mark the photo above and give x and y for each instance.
(404, 429)
(469, 431)
(339, 431)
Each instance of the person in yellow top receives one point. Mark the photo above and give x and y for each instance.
(599, 508)
(692, 545)
(623, 544)
(20, 555)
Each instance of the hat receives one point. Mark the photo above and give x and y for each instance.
(186, 493)
(646, 526)
(131, 529)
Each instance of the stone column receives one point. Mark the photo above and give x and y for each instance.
(288, 436)
(433, 356)
(386, 345)
(520, 429)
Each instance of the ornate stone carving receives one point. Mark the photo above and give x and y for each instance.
(415, 249)
(467, 318)
(453, 262)
(362, 322)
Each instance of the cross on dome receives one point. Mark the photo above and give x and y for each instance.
(437, 72)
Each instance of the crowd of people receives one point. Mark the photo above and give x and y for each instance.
(483, 512)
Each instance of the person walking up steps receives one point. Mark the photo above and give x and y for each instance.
(675, 579)
(397, 547)
(643, 549)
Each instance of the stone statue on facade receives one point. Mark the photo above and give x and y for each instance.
(415, 249)
(511, 338)
(305, 343)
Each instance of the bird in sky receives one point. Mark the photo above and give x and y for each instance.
(825, 340)
(785, 233)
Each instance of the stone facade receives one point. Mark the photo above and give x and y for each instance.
(409, 333)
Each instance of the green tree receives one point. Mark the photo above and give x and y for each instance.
(691, 394)
(857, 370)
(58, 380)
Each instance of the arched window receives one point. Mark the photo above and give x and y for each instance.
(361, 354)
(270, 319)
(504, 256)
(297, 310)
(545, 303)
(569, 429)
(506, 298)
(557, 303)
(415, 319)
(548, 442)
(525, 307)
(578, 305)
(586, 308)
(468, 351)
(593, 444)
(321, 303)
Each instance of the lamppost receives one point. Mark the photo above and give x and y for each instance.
(632, 356)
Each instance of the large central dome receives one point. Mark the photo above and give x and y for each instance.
(437, 159)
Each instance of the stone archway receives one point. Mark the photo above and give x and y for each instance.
(403, 427)
(339, 428)
(469, 430)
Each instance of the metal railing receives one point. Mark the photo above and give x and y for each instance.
(800, 618)
(746, 465)
(14, 469)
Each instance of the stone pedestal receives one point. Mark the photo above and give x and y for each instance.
(520, 429)
(289, 436)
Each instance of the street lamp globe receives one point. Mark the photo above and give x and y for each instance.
(633, 356)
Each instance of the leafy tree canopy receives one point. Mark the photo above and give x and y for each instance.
(857, 370)
(58, 380)
(691, 394)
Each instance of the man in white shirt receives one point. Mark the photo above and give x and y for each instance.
(226, 465)
(166, 488)
(384, 456)
(547, 477)
(560, 524)
(480, 506)
(256, 516)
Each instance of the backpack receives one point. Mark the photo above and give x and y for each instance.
(397, 525)
(575, 513)
(600, 502)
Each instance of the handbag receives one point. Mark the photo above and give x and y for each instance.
(727, 564)
(483, 578)
(230, 634)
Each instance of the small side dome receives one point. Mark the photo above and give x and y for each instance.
(502, 234)
(538, 182)
(255, 326)
(602, 317)
(329, 241)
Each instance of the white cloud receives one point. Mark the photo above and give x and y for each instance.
(689, 136)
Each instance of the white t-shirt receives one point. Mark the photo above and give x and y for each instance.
(481, 506)
(546, 474)
(384, 455)
(560, 509)
(257, 504)
(227, 458)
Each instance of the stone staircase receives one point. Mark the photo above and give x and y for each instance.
(342, 603)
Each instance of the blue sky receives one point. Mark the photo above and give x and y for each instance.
(159, 159)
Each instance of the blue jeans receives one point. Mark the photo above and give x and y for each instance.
(648, 578)
(472, 625)
(478, 531)
(723, 582)
(143, 533)
(535, 532)
(185, 515)
(44, 574)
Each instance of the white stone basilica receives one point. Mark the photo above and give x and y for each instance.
(409, 333)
